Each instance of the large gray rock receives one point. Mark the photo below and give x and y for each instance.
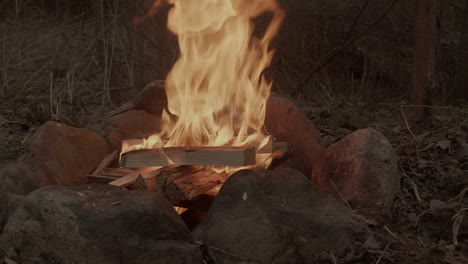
(97, 224)
(8, 204)
(68, 153)
(24, 176)
(274, 217)
(365, 174)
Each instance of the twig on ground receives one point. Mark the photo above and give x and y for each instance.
(413, 184)
(28, 135)
(341, 195)
(218, 249)
(426, 148)
(408, 126)
(459, 197)
(333, 258)
(383, 252)
(393, 235)
(457, 221)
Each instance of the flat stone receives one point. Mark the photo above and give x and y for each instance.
(286, 122)
(68, 153)
(274, 217)
(97, 224)
(132, 124)
(365, 174)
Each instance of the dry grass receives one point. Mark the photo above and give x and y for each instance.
(65, 63)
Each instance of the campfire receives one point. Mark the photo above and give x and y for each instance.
(224, 171)
(213, 125)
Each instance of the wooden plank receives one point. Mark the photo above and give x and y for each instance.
(106, 162)
(131, 178)
(270, 146)
(209, 156)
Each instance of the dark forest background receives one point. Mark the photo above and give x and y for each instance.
(349, 64)
(60, 53)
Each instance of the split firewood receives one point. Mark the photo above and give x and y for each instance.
(131, 178)
(108, 175)
(140, 184)
(106, 162)
(116, 172)
(177, 184)
(183, 183)
(209, 156)
(150, 179)
(180, 210)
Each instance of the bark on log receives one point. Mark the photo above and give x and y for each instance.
(183, 183)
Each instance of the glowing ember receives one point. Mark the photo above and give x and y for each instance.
(216, 91)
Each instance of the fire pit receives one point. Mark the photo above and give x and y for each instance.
(242, 167)
(214, 120)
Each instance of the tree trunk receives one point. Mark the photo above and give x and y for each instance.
(422, 58)
(461, 75)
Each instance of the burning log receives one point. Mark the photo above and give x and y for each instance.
(209, 156)
(183, 183)
(177, 184)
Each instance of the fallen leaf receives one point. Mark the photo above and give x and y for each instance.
(438, 205)
(444, 144)
(371, 243)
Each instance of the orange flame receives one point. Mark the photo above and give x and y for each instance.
(216, 90)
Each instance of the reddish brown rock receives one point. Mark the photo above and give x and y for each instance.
(68, 153)
(365, 172)
(286, 122)
(152, 99)
(132, 124)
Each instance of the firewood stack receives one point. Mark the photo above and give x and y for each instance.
(180, 173)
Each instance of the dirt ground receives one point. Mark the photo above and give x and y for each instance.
(433, 162)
